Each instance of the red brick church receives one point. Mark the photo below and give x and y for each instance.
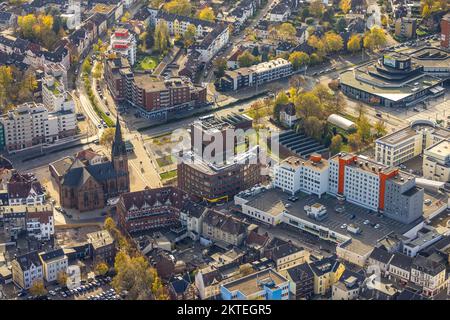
(85, 186)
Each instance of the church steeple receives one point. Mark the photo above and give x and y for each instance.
(118, 147)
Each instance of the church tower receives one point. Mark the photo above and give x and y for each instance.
(119, 159)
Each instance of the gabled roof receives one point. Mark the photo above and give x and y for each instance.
(284, 251)
(401, 261)
(226, 223)
(50, 255)
(381, 255)
(153, 198)
(25, 261)
(324, 266)
(300, 272)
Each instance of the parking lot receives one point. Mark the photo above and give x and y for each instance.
(96, 289)
(373, 226)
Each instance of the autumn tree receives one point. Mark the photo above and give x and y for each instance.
(107, 137)
(345, 5)
(380, 128)
(354, 141)
(298, 59)
(318, 44)
(245, 270)
(101, 268)
(98, 70)
(316, 8)
(307, 104)
(38, 27)
(161, 37)
(206, 13)
(126, 17)
(363, 130)
(354, 43)
(336, 144)
(181, 7)
(134, 275)
(38, 288)
(285, 31)
(374, 38)
(86, 66)
(333, 42)
(61, 278)
(431, 6)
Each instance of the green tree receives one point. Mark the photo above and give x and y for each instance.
(363, 130)
(318, 44)
(161, 37)
(189, 35)
(246, 59)
(86, 67)
(341, 24)
(286, 31)
(314, 127)
(220, 65)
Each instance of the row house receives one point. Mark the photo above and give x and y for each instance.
(26, 269)
(37, 222)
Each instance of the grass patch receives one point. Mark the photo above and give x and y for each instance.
(168, 175)
(147, 63)
(165, 161)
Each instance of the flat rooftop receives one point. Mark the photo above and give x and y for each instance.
(440, 149)
(379, 87)
(410, 131)
(253, 283)
(274, 202)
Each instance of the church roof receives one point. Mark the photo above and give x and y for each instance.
(118, 147)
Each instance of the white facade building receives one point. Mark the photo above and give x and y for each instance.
(32, 124)
(53, 263)
(436, 162)
(310, 176)
(400, 146)
(123, 42)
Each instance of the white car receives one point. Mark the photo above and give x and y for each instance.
(377, 226)
(344, 226)
(366, 222)
(427, 201)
